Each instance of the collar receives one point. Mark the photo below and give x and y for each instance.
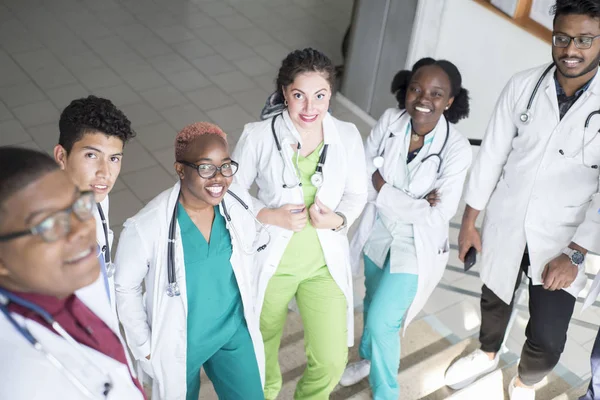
(290, 134)
(403, 123)
(51, 304)
(579, 92)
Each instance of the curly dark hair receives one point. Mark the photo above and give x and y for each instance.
(300, 61)
(89, 115)
(591, 8)
(459, 108)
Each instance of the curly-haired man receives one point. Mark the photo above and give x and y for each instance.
(93, 133)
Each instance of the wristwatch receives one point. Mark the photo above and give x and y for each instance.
(344, 222)
(575, 256)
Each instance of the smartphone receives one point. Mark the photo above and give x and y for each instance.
(470, 258)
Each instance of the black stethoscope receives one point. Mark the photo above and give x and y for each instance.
(173, 286)
(379, 160)
(316, 179)
(526, 117)
(110, 267)
(7, 297)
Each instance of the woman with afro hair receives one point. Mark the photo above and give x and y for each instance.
(417, 162)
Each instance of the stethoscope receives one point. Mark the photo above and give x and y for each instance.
(7, 297)
(378, 161)
(526, 117)
(316, 179)
(173, 286)
(110, 267)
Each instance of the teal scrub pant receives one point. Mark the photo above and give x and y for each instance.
(232, 369)
(387, 299)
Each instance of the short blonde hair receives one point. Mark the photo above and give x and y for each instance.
(193, 131)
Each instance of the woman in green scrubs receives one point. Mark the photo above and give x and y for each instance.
(221, 331)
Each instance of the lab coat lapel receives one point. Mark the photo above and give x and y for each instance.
(550, 89)
(424, 174)
(396, 150)
(331, 138)
(94, 297)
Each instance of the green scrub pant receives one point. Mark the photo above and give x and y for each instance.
(322, 307)
(232, 369)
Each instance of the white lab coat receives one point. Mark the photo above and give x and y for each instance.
(28, 375)
(155, 323)
(101, 240)
(430, 224)
(531, 192)
(344, 190)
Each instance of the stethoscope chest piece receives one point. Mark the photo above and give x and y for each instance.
(378, 162)
(173, 289)
(317, 179)
(525, 117)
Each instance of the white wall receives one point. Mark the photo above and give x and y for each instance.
(485, 47)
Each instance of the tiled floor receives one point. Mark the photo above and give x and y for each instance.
(168, 63)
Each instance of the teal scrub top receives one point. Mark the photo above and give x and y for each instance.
(215, 307)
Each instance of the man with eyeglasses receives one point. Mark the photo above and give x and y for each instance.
(59, 338)
(536, 176)
(188, 247)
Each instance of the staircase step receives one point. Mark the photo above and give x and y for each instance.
(574, 393)
(491, 387)
(425, 380)
(421, 341)
(421, 373)
(494, 386)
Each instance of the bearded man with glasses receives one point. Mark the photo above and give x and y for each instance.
(536, 176)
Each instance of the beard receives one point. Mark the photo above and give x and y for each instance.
(588, 68)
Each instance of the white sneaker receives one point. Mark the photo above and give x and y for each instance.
(355, 372)
(520, 393)
(467, 369)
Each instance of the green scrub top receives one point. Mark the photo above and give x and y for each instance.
(215, 309)
(304, 248)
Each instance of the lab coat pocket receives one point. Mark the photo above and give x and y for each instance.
(582, 146)
(573, 215)
(445, 248)
(525, 138)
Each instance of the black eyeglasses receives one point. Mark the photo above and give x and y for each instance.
(208, 171)
(58, 225)
(581, 42)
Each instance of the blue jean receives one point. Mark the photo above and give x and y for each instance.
(388, 297)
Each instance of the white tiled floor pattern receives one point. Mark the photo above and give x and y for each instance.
(168, 63)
